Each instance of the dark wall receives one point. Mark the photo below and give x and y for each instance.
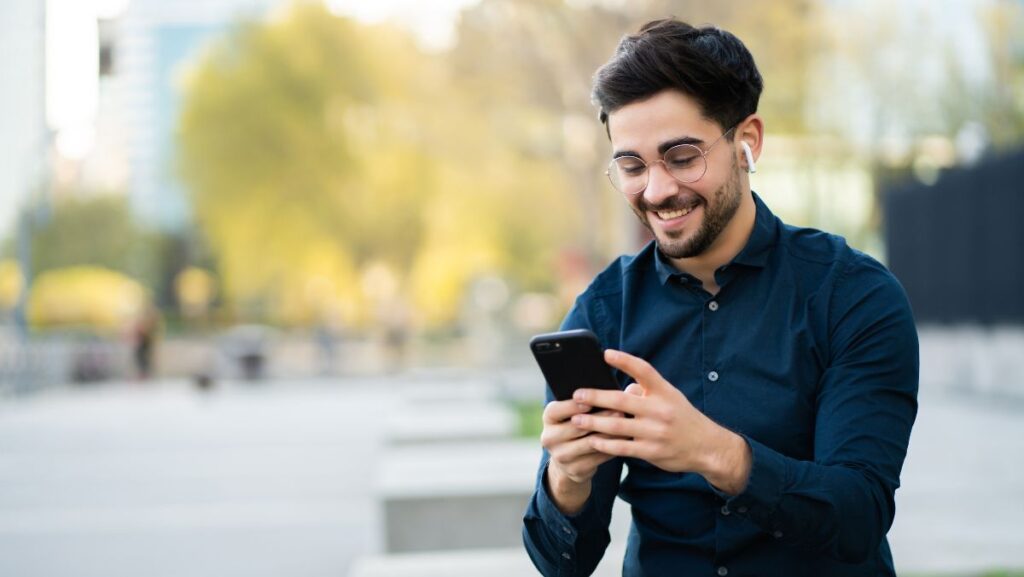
(958, 246)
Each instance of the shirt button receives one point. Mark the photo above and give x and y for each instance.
(742, 509)
(712, 376)
(723, 571)
(725, 510)
(713, 306)
(566, 556)
(566, 530)
(777, 534)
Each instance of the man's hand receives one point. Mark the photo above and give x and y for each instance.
(666, 431)
(573, 461)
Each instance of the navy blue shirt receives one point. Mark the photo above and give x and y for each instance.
(809, 352)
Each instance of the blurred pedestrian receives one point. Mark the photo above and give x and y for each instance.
(144, 336)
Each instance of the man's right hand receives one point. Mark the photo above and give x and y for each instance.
(573, 462)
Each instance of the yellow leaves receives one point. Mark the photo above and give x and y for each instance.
(85, 296)
(195, 289)
(320, 152)
(12, 282)
(443, 270)
(320, 286)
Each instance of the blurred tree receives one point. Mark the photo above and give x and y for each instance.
(96, 230)
(12, 282)
(89, 297)
(317, 150)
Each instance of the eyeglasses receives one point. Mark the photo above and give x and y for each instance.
(685, 162)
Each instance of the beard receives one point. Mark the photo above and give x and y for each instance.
(717, 215)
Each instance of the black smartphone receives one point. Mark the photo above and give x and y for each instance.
(572, 360)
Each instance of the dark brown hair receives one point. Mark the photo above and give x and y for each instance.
(708, 64)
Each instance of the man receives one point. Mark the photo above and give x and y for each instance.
(769, 372)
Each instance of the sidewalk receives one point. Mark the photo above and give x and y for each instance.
(276, 479)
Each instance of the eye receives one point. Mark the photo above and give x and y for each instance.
(630, 165)
(682, 156)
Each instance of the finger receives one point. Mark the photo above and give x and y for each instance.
(558, 411)
(618, 447)
(554, 435)
(570, 451)
(612, 426)
(613, 400)
(639, 369)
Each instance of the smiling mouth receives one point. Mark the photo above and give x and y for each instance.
(670, 214)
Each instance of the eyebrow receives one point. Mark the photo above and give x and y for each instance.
(662, 148)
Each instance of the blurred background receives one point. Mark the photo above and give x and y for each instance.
(268, 268)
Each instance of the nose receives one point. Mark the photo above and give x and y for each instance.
(660, 184)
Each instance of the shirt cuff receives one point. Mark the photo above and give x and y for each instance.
(565, 527)
(761, 496)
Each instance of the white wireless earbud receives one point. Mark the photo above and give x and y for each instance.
(751, 167)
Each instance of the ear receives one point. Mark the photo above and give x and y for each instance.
(749, 132)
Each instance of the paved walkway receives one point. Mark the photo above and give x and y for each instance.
(277, 480)
(164, 481)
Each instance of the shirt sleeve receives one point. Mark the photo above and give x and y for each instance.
(842, 503)
(564, 545)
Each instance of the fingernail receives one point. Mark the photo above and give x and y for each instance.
(611, 354)
(580, 395)
(577, 420)
(582, 407)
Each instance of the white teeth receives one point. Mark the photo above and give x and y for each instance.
(670, 214)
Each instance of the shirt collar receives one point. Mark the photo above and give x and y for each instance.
(755, 254)
(762, 238)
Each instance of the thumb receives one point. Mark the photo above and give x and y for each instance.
(636, 389)
(639, 369)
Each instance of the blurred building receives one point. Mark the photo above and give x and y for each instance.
(23, 133)
(156, 42)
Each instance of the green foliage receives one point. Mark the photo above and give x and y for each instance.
(317, 150)
(95, 230)
(530, 419)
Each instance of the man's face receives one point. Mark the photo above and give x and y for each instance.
(685, 219)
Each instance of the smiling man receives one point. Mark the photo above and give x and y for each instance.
(769, 372)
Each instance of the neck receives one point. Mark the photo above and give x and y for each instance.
(725, 248)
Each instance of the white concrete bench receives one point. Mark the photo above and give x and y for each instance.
(455, 495)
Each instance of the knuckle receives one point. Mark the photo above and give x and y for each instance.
(661, 432)
(546, 440)
(662, 414)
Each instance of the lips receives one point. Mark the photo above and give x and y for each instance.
(675, 210)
